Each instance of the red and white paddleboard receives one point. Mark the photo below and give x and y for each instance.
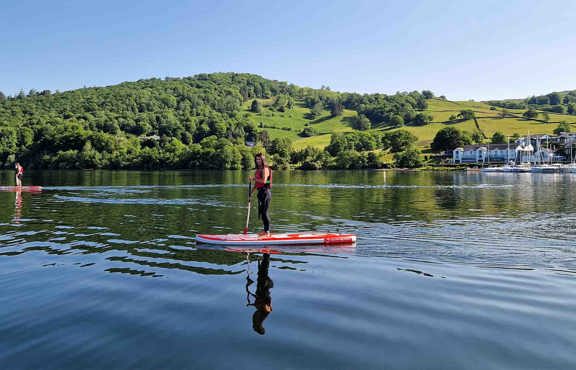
(26, 189)
(305, 238)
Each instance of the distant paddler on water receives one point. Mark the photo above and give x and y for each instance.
(19, 173)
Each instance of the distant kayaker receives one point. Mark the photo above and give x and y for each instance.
(19, 173)
(263, 182)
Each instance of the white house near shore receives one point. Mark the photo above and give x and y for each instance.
(483, 154)
(493, 153)
(531, 149)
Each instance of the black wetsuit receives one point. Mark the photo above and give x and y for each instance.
(264, 198)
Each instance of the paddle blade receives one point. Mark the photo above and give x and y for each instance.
(248, 215)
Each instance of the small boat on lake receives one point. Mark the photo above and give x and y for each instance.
(569, 168)
(548, 168)
(521, 168)
(493, 169)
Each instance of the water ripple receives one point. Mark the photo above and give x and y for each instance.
(465, 271)
(143, 201)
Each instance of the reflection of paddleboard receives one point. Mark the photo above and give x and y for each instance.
(29, 189)
(305, 238)
(336, 249)
(253, 250)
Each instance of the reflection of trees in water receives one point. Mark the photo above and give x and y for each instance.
(447, 198)
(145, 255)
(175, 265)
(133, 272)
(175, 259)
(262, 298)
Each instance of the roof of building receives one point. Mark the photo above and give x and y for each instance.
(487, 147)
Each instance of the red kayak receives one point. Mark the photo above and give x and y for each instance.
(26, 189)
(305, 238)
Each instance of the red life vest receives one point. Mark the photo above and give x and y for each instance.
(259, 177)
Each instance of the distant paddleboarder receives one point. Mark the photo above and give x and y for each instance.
(263, 182)
(19, 173)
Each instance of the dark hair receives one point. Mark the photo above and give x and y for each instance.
(263, 160)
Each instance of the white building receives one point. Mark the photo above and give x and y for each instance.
(499, 153)
(530, 149)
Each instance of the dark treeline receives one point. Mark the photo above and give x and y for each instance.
(380, 109)
(358, 150)
(556, 102)
(193, 122)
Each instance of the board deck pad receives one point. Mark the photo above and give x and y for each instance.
(304, 238)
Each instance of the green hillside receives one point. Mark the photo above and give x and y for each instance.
(489, 121)
(203, 121)
(212, 121)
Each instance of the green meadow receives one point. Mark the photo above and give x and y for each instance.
(488, 121)
(291, 122)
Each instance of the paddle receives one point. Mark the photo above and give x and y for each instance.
(249, 206)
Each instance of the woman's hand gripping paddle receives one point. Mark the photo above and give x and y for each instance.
(249, 206)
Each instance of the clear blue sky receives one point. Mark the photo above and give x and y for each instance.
(462, 49)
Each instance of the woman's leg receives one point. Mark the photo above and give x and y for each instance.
(266, 215)
(264, 198)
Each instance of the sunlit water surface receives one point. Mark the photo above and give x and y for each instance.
(451, 271)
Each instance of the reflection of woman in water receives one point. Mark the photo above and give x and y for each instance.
(18, 207)
(262, 299)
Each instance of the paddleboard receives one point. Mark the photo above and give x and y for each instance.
(28, 189)
(305, 238)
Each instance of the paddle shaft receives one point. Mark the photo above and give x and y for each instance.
(249, 206)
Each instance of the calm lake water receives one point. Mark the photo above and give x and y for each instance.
(451, 271)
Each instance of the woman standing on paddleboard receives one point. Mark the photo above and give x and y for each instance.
(262, 181)
(19, 173)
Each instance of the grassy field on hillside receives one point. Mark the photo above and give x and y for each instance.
(426, 133)
(290, 123)
(489, 121)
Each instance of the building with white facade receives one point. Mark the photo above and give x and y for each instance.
(485, 153)
(530, 149)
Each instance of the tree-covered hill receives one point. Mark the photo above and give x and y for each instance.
(145, 124)
(220, 120)
(200, 121)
